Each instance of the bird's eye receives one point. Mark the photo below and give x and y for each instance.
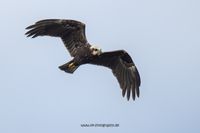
(95, 49)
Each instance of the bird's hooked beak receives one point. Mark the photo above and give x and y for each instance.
(95, 50)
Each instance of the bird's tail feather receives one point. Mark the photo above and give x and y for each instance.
(69, 67)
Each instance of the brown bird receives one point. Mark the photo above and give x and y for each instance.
(72, 33)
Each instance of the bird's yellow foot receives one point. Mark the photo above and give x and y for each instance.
(71, 65)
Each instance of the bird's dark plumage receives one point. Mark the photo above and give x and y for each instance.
(124, 70)
(71, 32)
(73, 35)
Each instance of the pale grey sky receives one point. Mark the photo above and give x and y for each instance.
(163, 38)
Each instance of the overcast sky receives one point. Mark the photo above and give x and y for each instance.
(163, 38)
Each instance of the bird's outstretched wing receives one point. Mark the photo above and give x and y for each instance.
(123, 68)
(71, 32)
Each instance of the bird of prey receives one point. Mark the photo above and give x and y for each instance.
(72, 33)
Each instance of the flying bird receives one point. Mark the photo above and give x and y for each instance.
(72, 33)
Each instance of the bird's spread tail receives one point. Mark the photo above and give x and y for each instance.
(69, 67)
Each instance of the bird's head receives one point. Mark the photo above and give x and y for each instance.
(95, 50)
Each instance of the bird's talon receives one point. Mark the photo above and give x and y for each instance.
(71, 65)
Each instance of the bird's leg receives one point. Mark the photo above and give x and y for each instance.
(72, 65)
